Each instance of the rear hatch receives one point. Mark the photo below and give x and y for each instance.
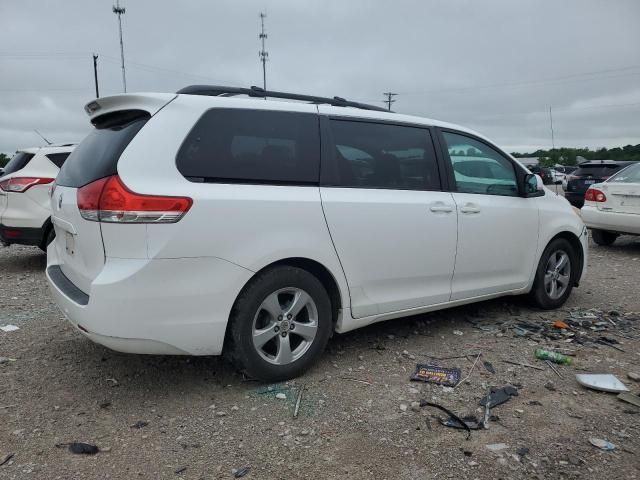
(79, 245)
(586, 175)
(17, 163)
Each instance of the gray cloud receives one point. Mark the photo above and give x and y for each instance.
(495, 66)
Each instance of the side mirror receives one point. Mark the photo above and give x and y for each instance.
(533, 185)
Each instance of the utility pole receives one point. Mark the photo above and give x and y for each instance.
(263, 54)
(553, 142)
(389, 99)
(95, 74)
(119, 11)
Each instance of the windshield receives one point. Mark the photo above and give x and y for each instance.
(630, 174)
(18, 162)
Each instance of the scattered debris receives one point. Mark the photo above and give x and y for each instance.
(470, 421)
(7, 458)
(80, 448)
(498, 396)
(522, 451)
(8, 406)
(542, 354)
(601, 381)
(488, 367)
(550, 386)
(6, 360)
(602, 444)
(520, 364)
(281, 396)
(180, 470)
(560, 324)
(470, 371)
(634, 376)
(240, 472)
(357, 380)
(140, 424)
(449, 377)
(458, 332)
(553, 368)
(9, 328)
(298, 400)
(114, 382)
(403, 407)
(496, 447)
(424, 403)
(629, 398)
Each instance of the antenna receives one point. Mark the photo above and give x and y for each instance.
(95, 74)
(119, 11)
(263, 54)
(553, 142)
(42, 136)
(389, 99)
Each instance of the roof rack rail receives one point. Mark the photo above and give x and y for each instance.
(218, 90)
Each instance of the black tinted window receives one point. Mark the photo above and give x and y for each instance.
(58, 158)
(18, 162)
(598, 171)
(376, 155)
(97, 155)
(252, 146)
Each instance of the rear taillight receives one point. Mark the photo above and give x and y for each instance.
(595, 195)
(22, 184)
(109, 200)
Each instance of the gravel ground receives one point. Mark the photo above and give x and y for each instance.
(193, 418)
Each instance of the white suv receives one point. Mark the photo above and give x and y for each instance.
(24, 195)
(206, 222)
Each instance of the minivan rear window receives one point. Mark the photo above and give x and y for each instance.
(18, 162)
(58, 159)
(252, 146)
(97, 155)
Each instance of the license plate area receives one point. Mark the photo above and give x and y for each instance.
(589, 182)
(629, 201)
(70, 243)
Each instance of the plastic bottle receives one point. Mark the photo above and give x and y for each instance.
(554, 357)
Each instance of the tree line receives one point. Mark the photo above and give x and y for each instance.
(569, 156)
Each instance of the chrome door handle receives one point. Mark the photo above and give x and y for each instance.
(469, 208)
(441, 208)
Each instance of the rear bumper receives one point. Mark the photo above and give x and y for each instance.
(576, 199)
(167, 307)
(625, 223)
(21, 235)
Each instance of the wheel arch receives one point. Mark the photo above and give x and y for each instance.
(574, 241)
(317, 269)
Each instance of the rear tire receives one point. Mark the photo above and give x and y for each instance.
(49, 237)
(555, 276)
(603, 238)
(280, 324)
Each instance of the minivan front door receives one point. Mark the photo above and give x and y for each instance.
(497, 228)
(392, 227)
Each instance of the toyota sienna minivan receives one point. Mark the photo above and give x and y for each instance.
(256, 224)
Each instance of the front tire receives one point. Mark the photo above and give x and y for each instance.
(555, 276)
(603, 238)
(280, 324)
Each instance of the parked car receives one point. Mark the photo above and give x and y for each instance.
(205, 223)
(612, 208)
(24, 195)
(567, 171)
(544, 172)
(587, 174)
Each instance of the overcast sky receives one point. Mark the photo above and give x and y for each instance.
(494, 65)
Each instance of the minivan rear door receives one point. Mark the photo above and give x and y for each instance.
(78, 242)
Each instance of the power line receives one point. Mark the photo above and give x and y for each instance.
(119, 11)
(263, 54)
(389, 99)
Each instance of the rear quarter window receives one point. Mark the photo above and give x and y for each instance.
(252, 146)
(97, 155)
(596, 171)
(58, 159)
(18, 162)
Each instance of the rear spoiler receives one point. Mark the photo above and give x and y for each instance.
(149, 102)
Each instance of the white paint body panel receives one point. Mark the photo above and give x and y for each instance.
(620, 213)
(169, 288)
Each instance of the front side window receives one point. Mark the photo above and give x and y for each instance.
(253, 146)
(479, 168)
(376, 155)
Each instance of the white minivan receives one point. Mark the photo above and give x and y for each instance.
(219, 220)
